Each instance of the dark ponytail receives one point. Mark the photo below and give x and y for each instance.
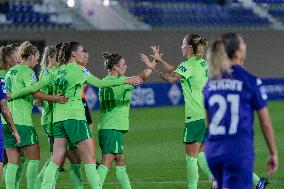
(66, 51)
(110, 59)
(231, 43)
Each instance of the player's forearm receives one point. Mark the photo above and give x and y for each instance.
(267, 130)
(168, 67)
(42, 96)
(8, 116)
(169, 77)
(105, 83)
(29, 89)
(145, 74)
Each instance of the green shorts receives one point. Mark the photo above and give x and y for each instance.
(73, 130)
(27, 133)
(111, 141)
(48, 129)
(194, 131)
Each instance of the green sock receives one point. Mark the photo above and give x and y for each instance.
(76, 176)
(20, 171)
(122, 177)
(192, 172)
(10, 176)
(255, 179)
(202, 162)
(102, 171)
(41, 173)
(4, 173)
(49, 178)
(92, 176)
(32, 172)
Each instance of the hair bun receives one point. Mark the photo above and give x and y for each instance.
(106, 55)
(203, 41)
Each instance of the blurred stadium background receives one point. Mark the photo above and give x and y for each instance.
(154, 151)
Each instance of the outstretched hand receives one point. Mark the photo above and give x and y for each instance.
(156, 53)
(147, 62)
(135, 80)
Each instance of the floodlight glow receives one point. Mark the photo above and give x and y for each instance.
(106, 3)
(71, 3)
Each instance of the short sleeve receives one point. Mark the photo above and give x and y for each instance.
(183, 70)
(29, 78)
(2, 89)
(259, 97)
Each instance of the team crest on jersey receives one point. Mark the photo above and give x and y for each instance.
(85, 71)
(45, 72)
(2, 83)
(33, 76)
(182, 68)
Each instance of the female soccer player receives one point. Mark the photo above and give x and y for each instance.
(114, 120)
(69, 119)
(87, 110)
(18, 77)
(4, 52)
(8, 58)
(231, 96)
(193, 75)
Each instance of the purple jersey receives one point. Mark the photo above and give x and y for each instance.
(230, 102)
(2, 96)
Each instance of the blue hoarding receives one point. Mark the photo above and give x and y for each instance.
(165, 94)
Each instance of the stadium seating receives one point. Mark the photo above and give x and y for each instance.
(184, 13)
(33, 13)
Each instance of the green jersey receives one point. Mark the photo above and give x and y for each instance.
(2, 73)
(115, 106)
(69, 80)
(17, 78)
(46, 117)
(194, 75)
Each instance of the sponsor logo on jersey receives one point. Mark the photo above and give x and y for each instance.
(182, 68)
(85, 71)
(33, 76)
(45, 72)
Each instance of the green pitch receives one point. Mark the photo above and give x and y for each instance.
(154, 151)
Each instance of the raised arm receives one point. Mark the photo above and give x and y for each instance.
(147, 72)
(266, 127)
(158, 56)
(93, 80)
(8, 118)
(170, 77)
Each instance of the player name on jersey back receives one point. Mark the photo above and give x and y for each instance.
(225, 84)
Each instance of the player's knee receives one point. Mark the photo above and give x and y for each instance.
(119, 160)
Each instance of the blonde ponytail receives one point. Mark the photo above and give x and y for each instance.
(200, 50)
(218, 61)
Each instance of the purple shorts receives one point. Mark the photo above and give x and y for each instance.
(1, 144)
(231, 171)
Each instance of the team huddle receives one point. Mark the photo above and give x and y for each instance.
(221, 95)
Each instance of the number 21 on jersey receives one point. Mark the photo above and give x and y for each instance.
(215, 128)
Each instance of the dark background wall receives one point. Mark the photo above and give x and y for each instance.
(265, 56)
